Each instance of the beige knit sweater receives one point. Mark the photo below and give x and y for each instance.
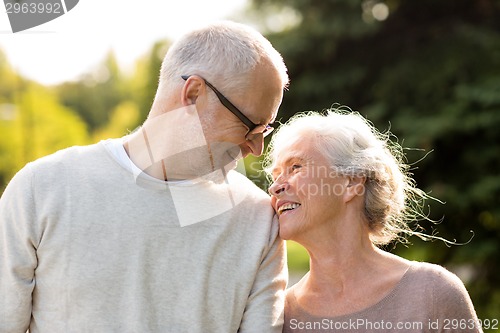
(427, 299)
(87, 246)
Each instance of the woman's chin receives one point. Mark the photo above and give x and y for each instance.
(284, 233)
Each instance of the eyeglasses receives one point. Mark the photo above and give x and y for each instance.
(254, 130)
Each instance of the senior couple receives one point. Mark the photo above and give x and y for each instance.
(157, 232)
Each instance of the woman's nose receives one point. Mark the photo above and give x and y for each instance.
(278, 187)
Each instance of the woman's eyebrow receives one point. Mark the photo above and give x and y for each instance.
(290, 160)
(302, 158)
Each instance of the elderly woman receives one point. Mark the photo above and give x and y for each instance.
(341, 189)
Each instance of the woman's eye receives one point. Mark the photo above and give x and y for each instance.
(274, 176)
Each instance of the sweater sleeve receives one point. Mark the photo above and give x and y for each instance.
(18, 258)
(265, 304)
(453, 305)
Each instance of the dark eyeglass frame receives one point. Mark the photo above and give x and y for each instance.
(234, 110)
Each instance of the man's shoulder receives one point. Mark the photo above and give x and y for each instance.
(244, 184)
(67, 155)
(51, 169)
(66, 163)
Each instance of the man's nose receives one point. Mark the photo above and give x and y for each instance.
(256, 145)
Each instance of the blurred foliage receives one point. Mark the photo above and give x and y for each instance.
(33, 124)
(96, 93)
(429, 72)
(298, 258)
(122, 121)
(145, 80)
(37, 120)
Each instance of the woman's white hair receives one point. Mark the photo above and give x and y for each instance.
(354, 147)
(223, 53)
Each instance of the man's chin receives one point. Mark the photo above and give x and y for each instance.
(225, 155)
(236, 153)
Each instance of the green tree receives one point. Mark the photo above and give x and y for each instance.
(97, 93)
(37, 126)
(9, 79)
(144, 82)
(123, 120)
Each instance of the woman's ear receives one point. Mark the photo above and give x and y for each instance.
(192, 89)
(355, 187)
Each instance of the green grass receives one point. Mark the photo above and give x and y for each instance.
(298, 258)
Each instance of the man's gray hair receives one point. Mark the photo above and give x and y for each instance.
(224, 53)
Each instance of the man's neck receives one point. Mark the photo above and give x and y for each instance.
(136, 147)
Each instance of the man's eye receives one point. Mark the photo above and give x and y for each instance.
(296, 167)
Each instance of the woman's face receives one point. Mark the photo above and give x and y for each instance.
(307, 193)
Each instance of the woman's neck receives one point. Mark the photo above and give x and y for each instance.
(347, 275)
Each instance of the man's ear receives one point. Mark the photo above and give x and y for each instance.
(192, 89)
(355, 187)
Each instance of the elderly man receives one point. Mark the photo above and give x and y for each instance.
(156, 231)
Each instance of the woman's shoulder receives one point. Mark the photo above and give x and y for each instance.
(433, 272)
(445, 284)
(449, 297)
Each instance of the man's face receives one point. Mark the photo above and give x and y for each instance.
(226, 134)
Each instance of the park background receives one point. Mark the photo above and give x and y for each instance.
(427, 70)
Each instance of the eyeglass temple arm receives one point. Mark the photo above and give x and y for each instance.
(228, 104)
